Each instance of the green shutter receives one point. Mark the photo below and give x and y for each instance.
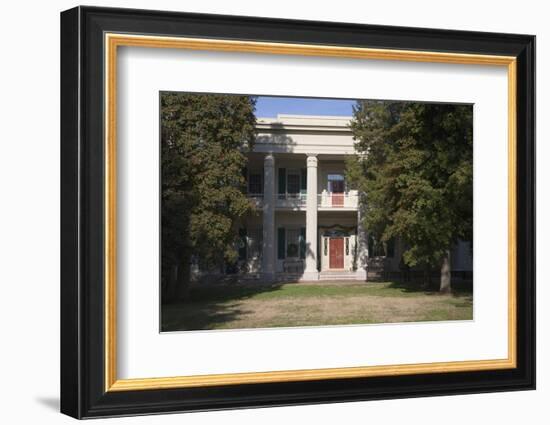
(303, 181)
(303, 243)
(242, 244)
(281, 243)
(282, 180)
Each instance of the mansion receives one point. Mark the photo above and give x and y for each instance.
(307, 224)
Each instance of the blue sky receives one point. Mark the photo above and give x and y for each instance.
(269, 107)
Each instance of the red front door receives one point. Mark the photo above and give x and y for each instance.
(336, 253)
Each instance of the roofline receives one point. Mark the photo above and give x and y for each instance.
(306, 116)
(289, 122)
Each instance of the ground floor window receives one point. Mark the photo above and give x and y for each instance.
(242, 244)
(255, 243)
(250, 243)
(291, 243)
(378, 248)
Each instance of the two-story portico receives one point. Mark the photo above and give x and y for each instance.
(307, 225)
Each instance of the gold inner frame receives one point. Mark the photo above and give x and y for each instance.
(113, 41)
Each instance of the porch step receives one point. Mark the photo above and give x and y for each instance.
(288, 277)
(337, 276)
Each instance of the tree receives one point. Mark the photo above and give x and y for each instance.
(414, 163)
(204, 141)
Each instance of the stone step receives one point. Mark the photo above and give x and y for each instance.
(337, 276)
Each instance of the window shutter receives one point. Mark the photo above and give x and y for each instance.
(282, 180)
(281, 243)
(242, 244)
(303, 183)
(303, 243)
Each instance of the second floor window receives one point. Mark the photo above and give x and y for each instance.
(336, 183)
(255, 183)
(293, 182)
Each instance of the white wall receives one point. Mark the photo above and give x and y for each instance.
(29, 228)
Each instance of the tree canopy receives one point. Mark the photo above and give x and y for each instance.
(204, 141)
(414, 164)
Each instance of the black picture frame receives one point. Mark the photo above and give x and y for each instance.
(83, 392)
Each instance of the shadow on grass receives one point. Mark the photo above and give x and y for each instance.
(209, 306)
(459, 288)
(201, 316)
(231, 292)
(219, 305)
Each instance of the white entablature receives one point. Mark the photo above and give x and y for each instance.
(303, 134)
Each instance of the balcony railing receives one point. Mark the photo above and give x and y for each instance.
(338, 200)
(291, 200)
(256, 198)
(298, 201)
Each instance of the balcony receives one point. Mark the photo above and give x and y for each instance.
(293, 201)
(298, 201)
(257, 199)
(346, 200)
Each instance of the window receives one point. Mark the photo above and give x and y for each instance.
(293, 182)
(281, 243)
(250, 243)
(293, 243)
(335, 183)
(390, 248)
(254, 243)
(242, 244)
(376, 248)
(255, 183)
(381, 249)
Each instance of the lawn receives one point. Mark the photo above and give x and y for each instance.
(312, 304)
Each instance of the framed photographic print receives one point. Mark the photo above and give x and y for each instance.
(261, 212)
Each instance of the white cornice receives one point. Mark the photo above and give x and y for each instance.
(314, 123)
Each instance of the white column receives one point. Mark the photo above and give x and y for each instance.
(311, 272)
(268, 247)
(362, 245)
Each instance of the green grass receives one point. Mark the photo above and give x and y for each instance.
(292, 290)
(306, 304)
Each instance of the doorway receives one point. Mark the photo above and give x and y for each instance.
(336, 257)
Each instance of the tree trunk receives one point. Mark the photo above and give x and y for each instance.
(183, 281)
(171, 285)
(445, 285)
